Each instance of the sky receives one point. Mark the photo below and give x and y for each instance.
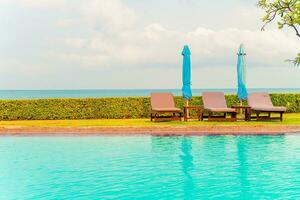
(120, 44)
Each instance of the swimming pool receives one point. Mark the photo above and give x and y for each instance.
(149, 167)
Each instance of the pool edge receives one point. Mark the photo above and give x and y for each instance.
(159, 131)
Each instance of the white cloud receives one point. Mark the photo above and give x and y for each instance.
(108, 35)
(75, 42)
(157, 45)
(155, 31)
(4, 2)
(269, 47)
(35, 3)
(43, 3)
(106, 15)
(84, 59)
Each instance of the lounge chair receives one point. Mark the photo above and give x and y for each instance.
(214, 102)
(162, 104)
(260, 102)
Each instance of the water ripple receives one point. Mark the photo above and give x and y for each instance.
(222, 167)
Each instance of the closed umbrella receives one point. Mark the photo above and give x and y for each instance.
(186, 74)
(241, 74)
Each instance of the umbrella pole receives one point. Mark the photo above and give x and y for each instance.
(241, 103)
(187, 110)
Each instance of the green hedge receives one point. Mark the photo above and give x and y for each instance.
(113, 108)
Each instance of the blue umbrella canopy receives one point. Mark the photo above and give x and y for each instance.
(241, 73)
(186, 73)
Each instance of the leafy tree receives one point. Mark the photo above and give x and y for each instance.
(288, 14)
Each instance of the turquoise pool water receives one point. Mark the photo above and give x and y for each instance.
(146, 167)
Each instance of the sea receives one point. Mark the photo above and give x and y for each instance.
(98, 93)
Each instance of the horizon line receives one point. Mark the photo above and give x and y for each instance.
(150, 88)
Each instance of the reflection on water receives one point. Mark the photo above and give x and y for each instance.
(187, 166)
(243, 167)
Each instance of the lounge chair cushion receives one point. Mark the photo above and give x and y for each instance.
(163, 101)
(166, 109)
(221, 109)
(261, 101)
(270, 109)
(215, 102)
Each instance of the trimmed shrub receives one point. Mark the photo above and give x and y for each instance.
(109, 108)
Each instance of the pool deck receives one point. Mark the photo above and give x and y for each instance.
(151, 130)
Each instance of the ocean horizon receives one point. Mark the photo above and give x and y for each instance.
(98, 93)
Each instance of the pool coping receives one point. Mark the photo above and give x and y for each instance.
(150, 130)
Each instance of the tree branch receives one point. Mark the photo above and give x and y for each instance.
(292, 25)
(295, 28)
(269, 19)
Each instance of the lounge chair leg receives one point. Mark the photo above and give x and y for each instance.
(281, 116)
(269, 114)
(233, 115)
(209, 116)
(151, 117)
(155, 117)
(257, 116)
(180, 116)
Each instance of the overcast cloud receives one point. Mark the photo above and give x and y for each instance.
(60, 44)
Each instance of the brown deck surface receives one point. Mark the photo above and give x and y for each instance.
(160, 130)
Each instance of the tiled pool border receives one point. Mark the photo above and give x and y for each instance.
(152, 130)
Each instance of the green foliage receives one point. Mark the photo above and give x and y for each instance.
(297, 60)
(107, 108)
(73, 108)
(288, 14)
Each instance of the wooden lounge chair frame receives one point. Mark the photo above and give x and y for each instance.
(261, 103)
(259, 117)
(163, 107)
(215, 102)
(212, 117)
(159, 116)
